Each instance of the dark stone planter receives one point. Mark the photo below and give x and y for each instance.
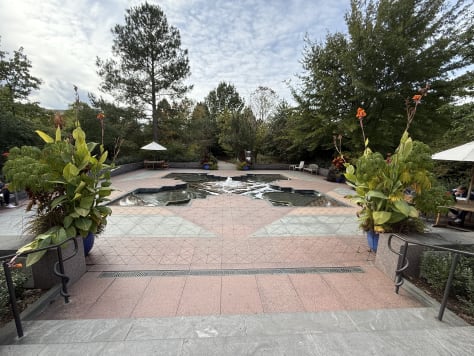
(41, 274)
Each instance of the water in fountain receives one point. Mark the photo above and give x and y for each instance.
(252, 186)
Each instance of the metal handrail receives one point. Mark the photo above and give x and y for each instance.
(403, 265)
(8, 262)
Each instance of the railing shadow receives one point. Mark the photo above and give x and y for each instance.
(403, 264)
(9, 262)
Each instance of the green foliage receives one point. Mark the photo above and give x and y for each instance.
(381, 187)
(392, 47)
(237, 132)
(18, 279)
(148, 60)
(241, 166)
(224, 98)
(67, 183)
(16, 82)
(432, 201)
(435, 267)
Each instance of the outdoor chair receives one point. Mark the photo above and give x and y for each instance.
(296, 167)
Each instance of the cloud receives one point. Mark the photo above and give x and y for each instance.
(247, 43)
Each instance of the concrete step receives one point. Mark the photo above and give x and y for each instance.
(387, 331)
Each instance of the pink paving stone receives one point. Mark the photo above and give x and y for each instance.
(384, 289)
(204, 266)
(315, 293)
(240, 295)
(353, 294)
(120, 299)
(278, 294)
(201, 296)
(160, 298)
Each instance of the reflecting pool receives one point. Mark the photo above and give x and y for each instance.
(199, 186)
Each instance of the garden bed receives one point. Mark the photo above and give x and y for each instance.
(454, 304)
(29, 297)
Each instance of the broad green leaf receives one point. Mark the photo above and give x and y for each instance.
(70, 171)
(87, 202)
(32, 258)
(83, 224)
(57, 201)
(58, 134)
(81, 211)
(381, 217)
(45, 137)
(376, 194)
(402, 206)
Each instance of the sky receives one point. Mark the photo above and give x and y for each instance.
(246, 43)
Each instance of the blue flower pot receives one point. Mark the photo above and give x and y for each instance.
(206, 166)
(373, 240)
(88, 243)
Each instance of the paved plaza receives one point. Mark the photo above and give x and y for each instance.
(228, 254)
(232, 275)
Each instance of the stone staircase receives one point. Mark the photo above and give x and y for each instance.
(411, 331)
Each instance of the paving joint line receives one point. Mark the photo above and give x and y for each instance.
(229, 272)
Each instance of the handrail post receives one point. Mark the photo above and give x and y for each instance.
(400, 264)
(11, 293)
(447, 288)
(62, 275)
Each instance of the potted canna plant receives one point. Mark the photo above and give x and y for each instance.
(389, 190)
(67, 184)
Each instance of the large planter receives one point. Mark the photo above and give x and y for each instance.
(373, 240)
(41, 274)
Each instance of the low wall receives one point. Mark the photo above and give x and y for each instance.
(124, 168)
(387, 261)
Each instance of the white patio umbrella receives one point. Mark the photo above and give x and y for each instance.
(153, 146)
(463, 153)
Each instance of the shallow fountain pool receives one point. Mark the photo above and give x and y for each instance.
(199, 186)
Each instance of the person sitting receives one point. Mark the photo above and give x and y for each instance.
(6, 195)
(459, 193)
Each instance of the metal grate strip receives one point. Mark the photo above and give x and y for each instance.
(228, 272)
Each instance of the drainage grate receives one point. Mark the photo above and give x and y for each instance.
(228, 272)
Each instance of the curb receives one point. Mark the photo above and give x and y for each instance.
(449, 317)
(8, 332)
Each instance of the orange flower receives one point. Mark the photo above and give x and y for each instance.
(417, 98)
(360, 113)
(100, 116)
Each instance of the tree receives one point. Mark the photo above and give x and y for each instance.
(276, 141)
(238, 130)
(150, 62)
(263, 102)
(223, 99)
(201, 129)
(392, 49)
(16, 82)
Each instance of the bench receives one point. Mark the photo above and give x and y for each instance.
(460, 205)
(312, 168)
(155, 164)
